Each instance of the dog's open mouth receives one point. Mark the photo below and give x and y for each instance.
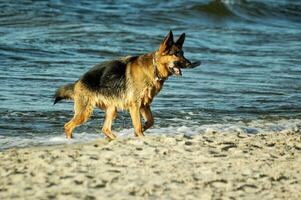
(174, 68)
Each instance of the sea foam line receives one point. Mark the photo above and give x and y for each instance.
(253, 127)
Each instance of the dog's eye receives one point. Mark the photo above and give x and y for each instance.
(172, 53)
(179, 53)
(176, 53)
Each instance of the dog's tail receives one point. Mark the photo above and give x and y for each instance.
(64, 92)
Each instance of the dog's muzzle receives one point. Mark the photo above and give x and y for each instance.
(193, 64)
(175, 67)
(189, 64)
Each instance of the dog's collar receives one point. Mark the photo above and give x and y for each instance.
(158, 77)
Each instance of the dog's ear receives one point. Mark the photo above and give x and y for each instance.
(179, 43)
(167, 42)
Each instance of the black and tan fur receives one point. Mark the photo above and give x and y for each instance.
(130, 83)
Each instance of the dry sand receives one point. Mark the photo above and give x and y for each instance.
(207, 166)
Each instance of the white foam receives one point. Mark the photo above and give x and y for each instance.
(57, 139)
(253, 127)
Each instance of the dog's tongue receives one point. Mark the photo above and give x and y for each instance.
(177, 71)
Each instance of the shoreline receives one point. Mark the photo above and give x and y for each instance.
(205, 166)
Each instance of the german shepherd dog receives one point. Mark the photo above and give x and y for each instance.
(129, 83)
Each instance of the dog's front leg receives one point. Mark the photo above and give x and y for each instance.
(148, 117)
(135, 115)
(110, 116)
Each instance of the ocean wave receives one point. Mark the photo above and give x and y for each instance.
(252, 10)
(216, 8)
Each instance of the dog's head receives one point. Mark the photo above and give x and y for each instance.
(170, 56)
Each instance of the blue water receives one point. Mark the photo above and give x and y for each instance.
(250, 79)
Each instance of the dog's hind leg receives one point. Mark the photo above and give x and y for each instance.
(135, 115)
(147, 116)
(82, 111)
(110, 116)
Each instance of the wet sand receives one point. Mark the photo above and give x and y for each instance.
(207, 166)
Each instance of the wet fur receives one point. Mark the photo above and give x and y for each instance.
(128, 83)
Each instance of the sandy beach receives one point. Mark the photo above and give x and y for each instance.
(207, 166)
